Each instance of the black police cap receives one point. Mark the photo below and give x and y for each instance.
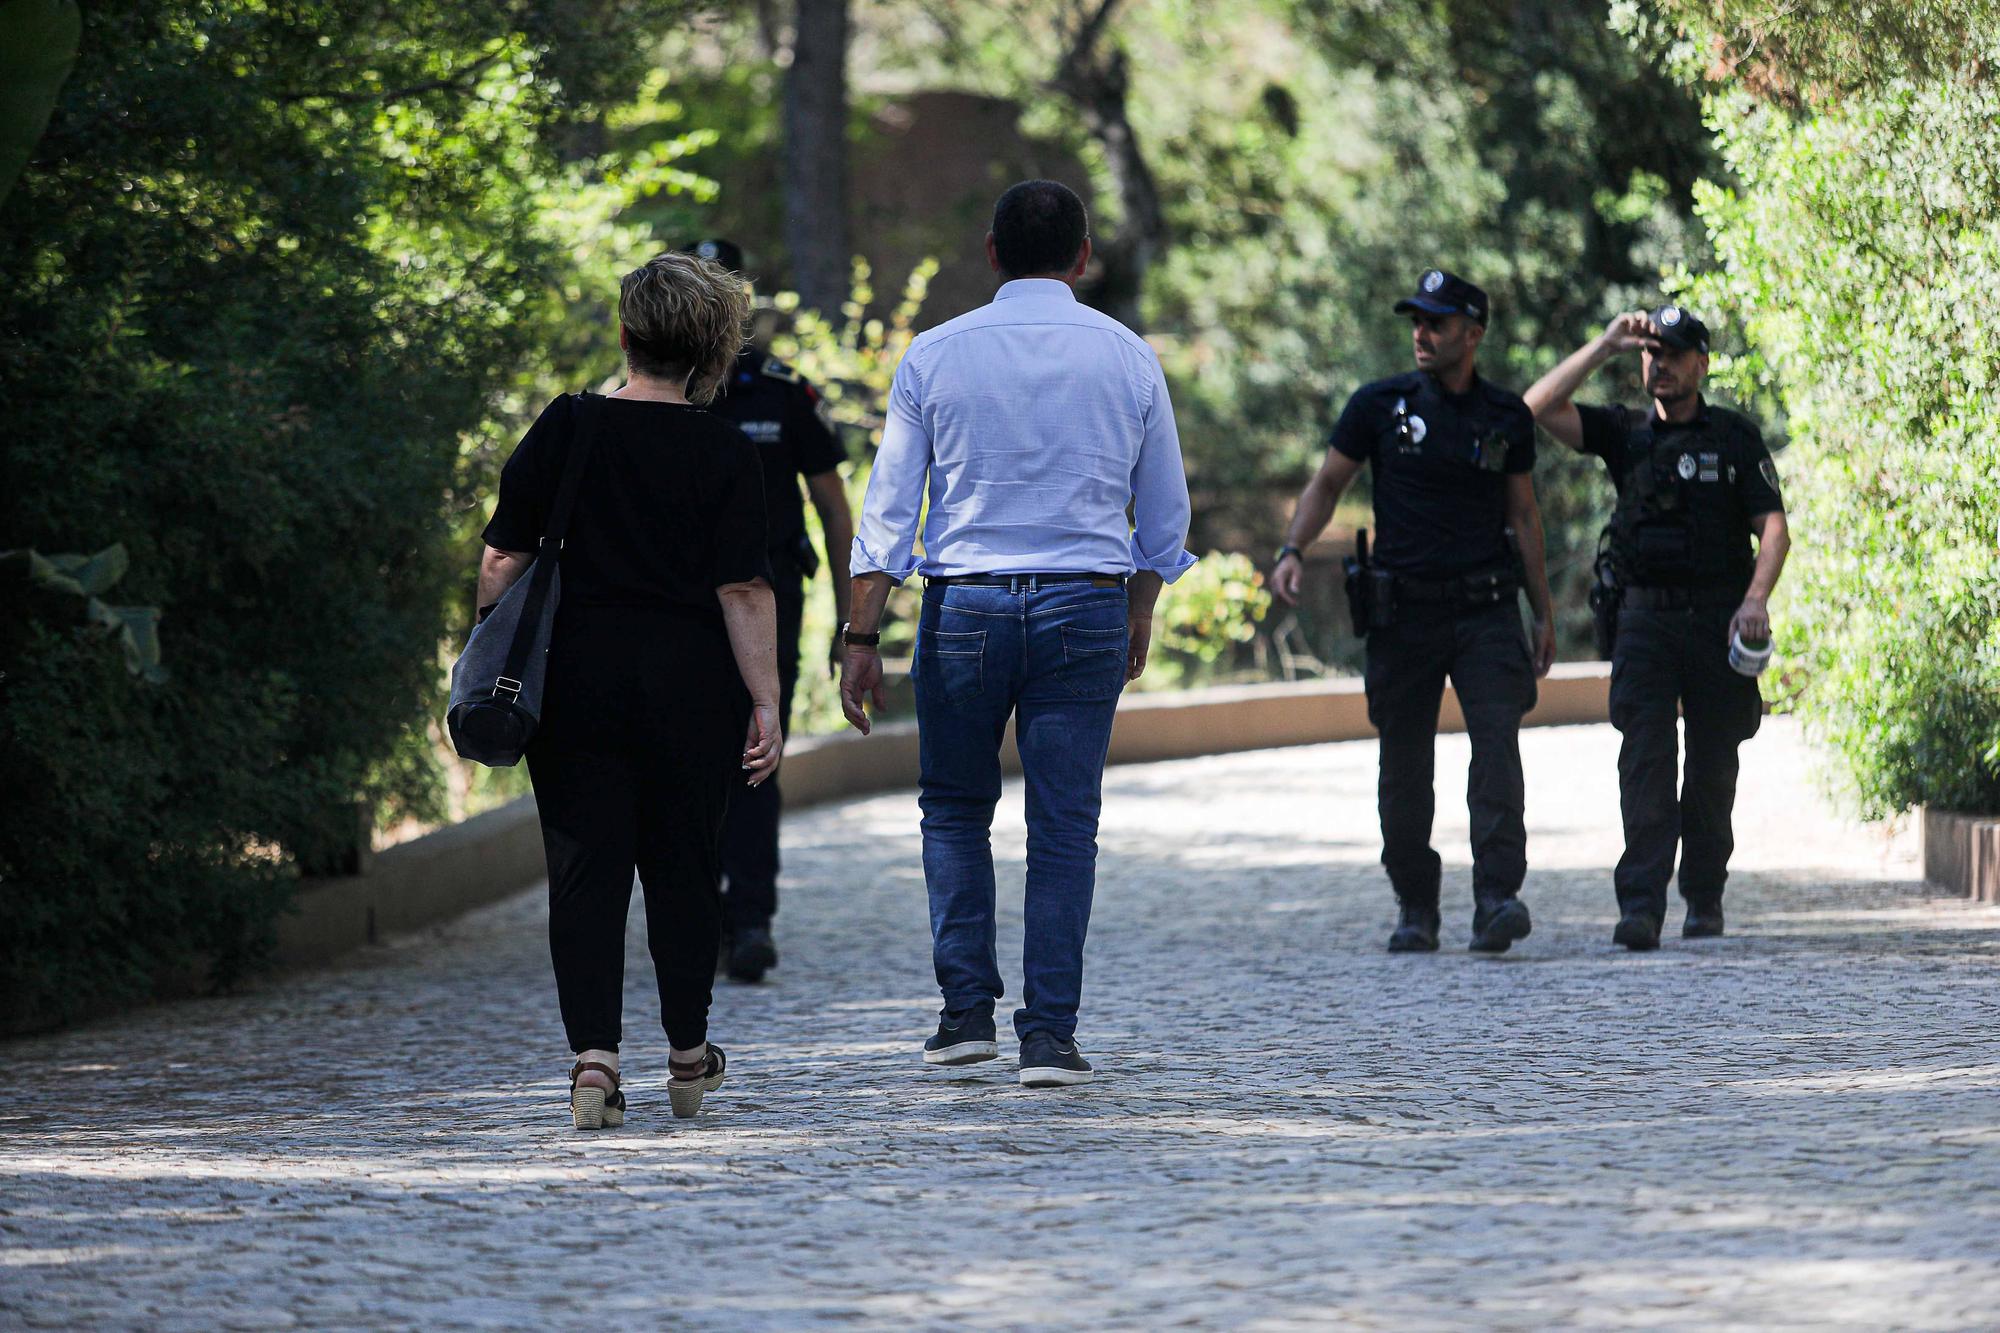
(1680, 329)
(1442, 293)
(726, 253)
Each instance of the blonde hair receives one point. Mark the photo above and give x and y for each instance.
(684, 315)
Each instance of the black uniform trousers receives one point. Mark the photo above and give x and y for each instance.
(1485, 653)
(750, 833)
(634, 764)
(1666, 662)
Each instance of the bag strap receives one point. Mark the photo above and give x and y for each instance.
(589, 406)
(528, 629)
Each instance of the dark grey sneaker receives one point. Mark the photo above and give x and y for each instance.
(962, 1039)
(1048, 1063)
(1497, 924)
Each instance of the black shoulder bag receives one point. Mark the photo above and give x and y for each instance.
(496, 684)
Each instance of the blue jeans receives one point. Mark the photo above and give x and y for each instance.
(1054, 657)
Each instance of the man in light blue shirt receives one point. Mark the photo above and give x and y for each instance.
(1030, 426)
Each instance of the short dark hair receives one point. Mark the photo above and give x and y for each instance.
(1038, 227)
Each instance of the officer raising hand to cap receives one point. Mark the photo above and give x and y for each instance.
(1683, 601)
(787, 420)
(1452, 456)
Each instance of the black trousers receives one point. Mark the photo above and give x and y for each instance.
(750, 833)
(639, 750)
(1664, 663)
(1485, 653)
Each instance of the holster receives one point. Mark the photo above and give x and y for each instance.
(1606, 599)
(1358, 588)
(1381, 599)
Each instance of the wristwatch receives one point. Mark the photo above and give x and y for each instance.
(853, 640)
(1285, 550)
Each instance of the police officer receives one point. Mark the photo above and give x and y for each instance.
(1694, 484)
(1451, 456)
(787, 420)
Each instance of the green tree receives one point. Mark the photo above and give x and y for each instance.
(270, 270)
(1859, 253)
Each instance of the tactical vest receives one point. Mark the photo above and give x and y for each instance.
(1680, 520)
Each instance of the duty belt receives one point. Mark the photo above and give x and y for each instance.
(1472, 590)
(1029, 581)
(1679, 599)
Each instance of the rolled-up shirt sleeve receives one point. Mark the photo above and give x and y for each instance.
(885, 538)
(1160, 507)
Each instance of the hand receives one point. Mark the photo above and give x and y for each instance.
(860, 683)
(836, 655)
(1286, 578)
(765, 744)
(1141, 646)
(1545, 646)
(1630, 332)
(1752, 620)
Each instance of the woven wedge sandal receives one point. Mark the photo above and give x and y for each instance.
(691, 1079)
(595, 1108)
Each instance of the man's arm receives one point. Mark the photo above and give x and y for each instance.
(498, 571)
(1161, 513)
(1310, 517)
(836, 520)
(861, 669)
(1524, 516)
(1549, 397)
(1774, 543)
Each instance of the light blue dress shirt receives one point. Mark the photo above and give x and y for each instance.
(1032, 423)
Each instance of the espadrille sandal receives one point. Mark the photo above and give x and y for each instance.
(690, 1079)
(595, 1108)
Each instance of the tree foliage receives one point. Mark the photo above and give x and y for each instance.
(1859, 250)
(270, 269)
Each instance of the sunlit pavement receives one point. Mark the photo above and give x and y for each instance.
(1795, 1126)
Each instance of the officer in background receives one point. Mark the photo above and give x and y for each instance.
(1679, 582)
(787, 420)
(1451, 457)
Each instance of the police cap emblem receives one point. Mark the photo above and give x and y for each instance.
(1433, 280)
(1670, 316)
(1686, 467)
(706, 250)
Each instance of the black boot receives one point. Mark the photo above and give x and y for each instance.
(751, 953)
(1416, 930)
(1704, 919)
(1638, 930)
(1497, 923)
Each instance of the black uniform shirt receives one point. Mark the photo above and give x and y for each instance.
(1721, 476)
(784, 417)
(1440, 465)
(670, 506)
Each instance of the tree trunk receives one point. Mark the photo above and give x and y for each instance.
(1095, 80)
(815, 156)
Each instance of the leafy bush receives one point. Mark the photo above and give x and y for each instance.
(269, 270)
(1860, 254)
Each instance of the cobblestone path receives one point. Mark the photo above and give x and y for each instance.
(1796, 1126)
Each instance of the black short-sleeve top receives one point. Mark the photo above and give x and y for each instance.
(670, 507)
(1440, 464)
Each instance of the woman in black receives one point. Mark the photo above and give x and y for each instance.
(663, 657)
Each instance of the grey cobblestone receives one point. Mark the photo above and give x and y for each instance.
(1796, 1126)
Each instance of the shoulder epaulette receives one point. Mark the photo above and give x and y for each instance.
(778, 370)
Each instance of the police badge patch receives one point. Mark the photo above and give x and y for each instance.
(1686, 467)
(1769, 472)
(1418, 430)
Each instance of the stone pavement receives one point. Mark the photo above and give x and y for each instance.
(1796, 1126)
